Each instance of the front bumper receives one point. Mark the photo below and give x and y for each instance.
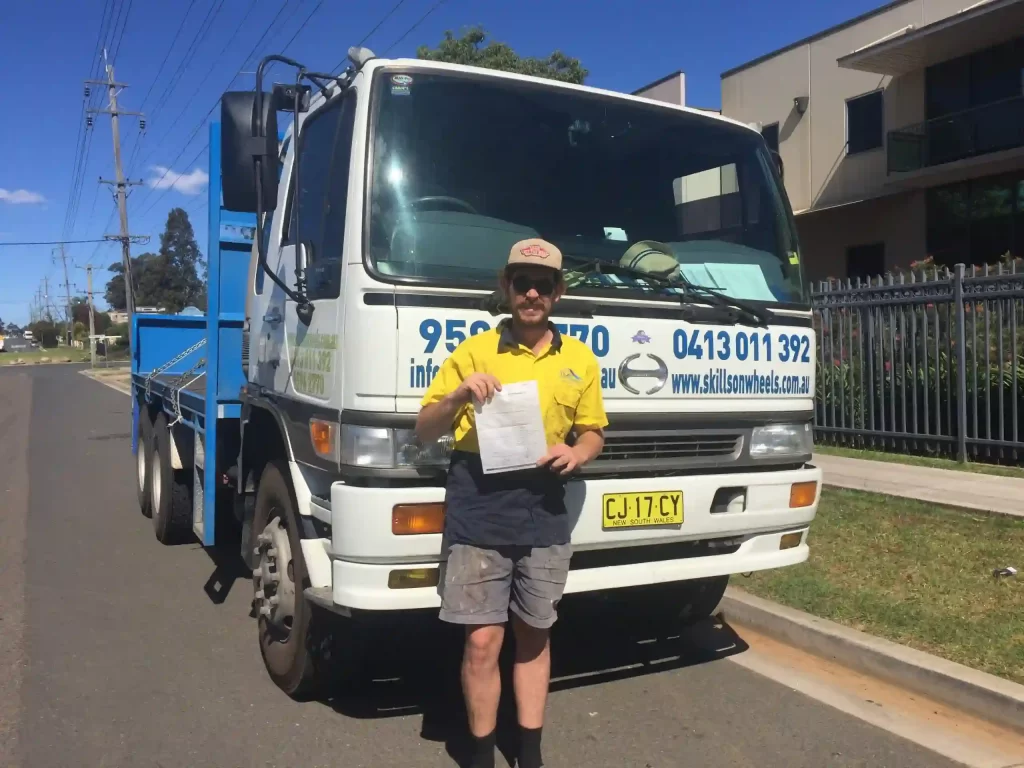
(364, 552)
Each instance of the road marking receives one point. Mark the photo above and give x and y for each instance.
(932, 725)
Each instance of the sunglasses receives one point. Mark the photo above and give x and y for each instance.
(544, 286)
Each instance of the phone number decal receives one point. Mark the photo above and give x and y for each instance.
(741, 345)
(453, 332)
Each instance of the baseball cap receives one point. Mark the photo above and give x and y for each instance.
(535, 252)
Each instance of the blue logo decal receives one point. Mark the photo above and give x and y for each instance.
(641, 338)
(570, 375)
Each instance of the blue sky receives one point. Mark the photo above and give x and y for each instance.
(47, 48)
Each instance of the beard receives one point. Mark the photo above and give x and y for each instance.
(534, 316)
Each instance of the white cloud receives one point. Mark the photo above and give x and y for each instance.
(187, 183)
(20, 197)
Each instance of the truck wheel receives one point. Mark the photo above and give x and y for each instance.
(171, 489)
(290, 636)
(674, 605)
(143, 461)
(698, 598)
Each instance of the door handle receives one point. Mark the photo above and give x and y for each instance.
(273, 317)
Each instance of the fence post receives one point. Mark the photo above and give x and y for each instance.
(961, 365)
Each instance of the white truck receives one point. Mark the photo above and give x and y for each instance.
(382, 216)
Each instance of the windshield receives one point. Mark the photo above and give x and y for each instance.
(463, 167)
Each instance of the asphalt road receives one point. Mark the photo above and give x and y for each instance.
(117, 651)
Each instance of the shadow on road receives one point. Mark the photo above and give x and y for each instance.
(409, 665)
(414, 669)
(228, 566)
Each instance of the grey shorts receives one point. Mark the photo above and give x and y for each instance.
(482, 584)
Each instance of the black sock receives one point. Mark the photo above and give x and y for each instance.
(529, 748)
(483, 751)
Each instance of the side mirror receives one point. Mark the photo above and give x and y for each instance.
(778, 164)
(241, 143)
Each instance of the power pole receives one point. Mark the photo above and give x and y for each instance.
(67, 293)
(120, 184)
(46, 298)
(92, 315)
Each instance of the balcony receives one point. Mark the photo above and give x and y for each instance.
(982, 130)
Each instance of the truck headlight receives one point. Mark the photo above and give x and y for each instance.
(387, 448)
(781, 440)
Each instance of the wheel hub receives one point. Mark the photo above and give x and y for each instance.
(140, 465)
(156, 480)
(272, 578)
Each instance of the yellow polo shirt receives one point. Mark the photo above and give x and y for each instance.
(567, 374)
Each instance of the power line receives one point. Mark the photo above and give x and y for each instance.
(100, 35)
(341, 64)
(210, 71)
(106, 227)
(117, 46)
(192, 136)
(302, 26)
(112, 29)
(409, 31)
(284, 23)
(200, 37)
(55, 242)
(84, 134)
(216, 102)
(167, 55)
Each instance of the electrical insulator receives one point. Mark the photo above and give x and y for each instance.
(88, 93)
(142, 125)
(88, 121)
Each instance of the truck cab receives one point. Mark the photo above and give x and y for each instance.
(383, 214)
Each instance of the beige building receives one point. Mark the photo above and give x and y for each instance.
(901, 132)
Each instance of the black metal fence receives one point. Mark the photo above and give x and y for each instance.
(926, 362)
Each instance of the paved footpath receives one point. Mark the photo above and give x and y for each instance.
(135, 654)
(970, 490)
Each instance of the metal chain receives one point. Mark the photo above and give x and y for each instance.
(178, 384)
(157, 371)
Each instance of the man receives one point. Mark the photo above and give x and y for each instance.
(507, 535)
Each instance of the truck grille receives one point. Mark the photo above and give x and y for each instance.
(655, 446)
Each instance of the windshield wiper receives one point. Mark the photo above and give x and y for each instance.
(739, 309)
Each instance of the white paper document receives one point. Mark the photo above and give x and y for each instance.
(510, 429)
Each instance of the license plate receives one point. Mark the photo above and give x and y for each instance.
(639, 510)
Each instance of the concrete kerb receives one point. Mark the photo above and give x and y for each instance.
(119, 380)
(978, 693)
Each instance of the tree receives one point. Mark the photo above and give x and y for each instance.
(179, 249)
(46, 333)
(80, 314)
(168, 279)
(467, 50)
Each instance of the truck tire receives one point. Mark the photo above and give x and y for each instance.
(171, 489)
(291, 636)
(143, 461)
(673, 605)
(697, 599)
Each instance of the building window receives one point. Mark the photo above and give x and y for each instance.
(864, 123)
(771, 136)
(865, 261)
(979, 221)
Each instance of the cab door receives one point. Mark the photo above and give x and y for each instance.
(265, 304)
(316, 226)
